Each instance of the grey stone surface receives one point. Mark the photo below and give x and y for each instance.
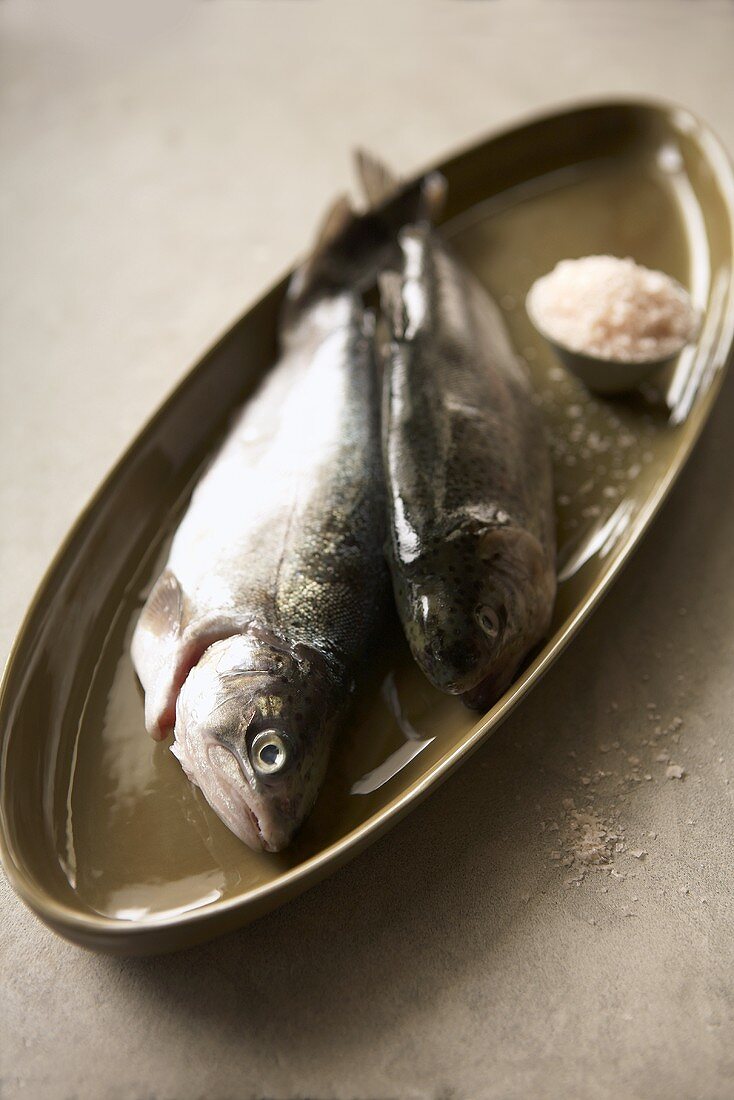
(156, 172)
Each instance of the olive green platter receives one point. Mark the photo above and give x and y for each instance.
(102, 835)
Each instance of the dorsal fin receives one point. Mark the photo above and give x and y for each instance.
(377, 181)
(380, 184)
(163, 611)
(335, 221)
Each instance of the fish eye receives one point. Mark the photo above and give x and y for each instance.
(489, 620)
(270, 753)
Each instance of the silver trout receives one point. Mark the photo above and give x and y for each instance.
(249, 642)
(471, 538)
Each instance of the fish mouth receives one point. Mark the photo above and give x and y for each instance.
(485, 693)
(263, 827)
(254, 829)
(273, 840)
(454, 666)
(470, 666)
(499, 676)
(220, 776)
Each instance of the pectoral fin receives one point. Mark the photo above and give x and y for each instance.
(163, 610)
(158, 653)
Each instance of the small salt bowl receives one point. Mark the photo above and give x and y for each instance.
(605, 375)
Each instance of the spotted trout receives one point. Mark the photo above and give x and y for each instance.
(471, 540)
(249, 642)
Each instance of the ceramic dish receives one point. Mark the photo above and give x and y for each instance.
(101, 833)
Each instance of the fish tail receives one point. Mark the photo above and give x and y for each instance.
(380, 184)
(323, 271)
(352, 247)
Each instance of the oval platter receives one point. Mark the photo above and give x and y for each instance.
(102, 835)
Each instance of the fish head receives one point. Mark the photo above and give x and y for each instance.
(254, 725)
(470, 635)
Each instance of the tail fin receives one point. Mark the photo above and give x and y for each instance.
(337, 223)
(377, 181)
(379, 185)
(352, 248)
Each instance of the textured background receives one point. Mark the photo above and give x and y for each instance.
(156, 172)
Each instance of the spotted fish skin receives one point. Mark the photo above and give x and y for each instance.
(275, 581)
(250, 640)
(471, 524)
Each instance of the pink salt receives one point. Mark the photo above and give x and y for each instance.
(613, 309)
